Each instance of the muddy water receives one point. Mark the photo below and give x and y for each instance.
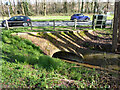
(68, 56)
(107, 60)
(104, 60)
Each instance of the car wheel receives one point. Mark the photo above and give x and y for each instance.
(75, 18)
(86, 20)
(4, 24)
(25, 24)
(29, 24)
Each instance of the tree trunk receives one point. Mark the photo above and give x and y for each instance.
(15, 9)
(36, 7)
(95, 5)
(55, 8)
(3, 9)
(82, 6)
(20, 7)
(119, 23)
(65, 7)
(115, 28)
(23, 9)
(98, 7)
(73, 6)
(92, 7)
(87, 8)
(78, 6)
(11, 8)
(44, 8)
(26, 9)
(107, 5)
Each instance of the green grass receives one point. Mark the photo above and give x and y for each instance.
(58, 17)
(58, 28)
(25, 66)
(50, 18)
(61, 18)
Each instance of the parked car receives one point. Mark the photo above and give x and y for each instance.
(80, 17)
(17, 21)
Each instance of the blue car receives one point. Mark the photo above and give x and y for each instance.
(80, 17)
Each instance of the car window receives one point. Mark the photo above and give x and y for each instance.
(20, 18)
(28, 18)
(13, 18)
(80, 15)
(75, 15)
(17, 18)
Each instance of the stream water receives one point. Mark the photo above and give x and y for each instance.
(105, 60)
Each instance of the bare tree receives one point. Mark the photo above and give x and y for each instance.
(65, 8)
(86, 7)
(44, 7)
(108, 4)
(115, 27)
(11, 8)
(3, 9)
(119, 23)
(79, 6)
(73, 6)
(15, 9)
(92, 4)
(95, 6)
(82, 6)
(36, 7)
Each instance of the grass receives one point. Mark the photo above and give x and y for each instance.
(69, 28)
(61, 18)
(25, 66)
(57, 18)
(50, 18)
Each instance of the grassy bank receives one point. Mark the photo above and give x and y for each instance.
(25, 66)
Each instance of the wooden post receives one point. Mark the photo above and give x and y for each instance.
(112, 23)
(53, 24)
(93, 22)
(75, 22)
(7, 26)
(31, 25)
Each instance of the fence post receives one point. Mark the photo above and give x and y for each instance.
(75, 22)
(53, 24)
(112, 23)
(7, 26)
(31, 25)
